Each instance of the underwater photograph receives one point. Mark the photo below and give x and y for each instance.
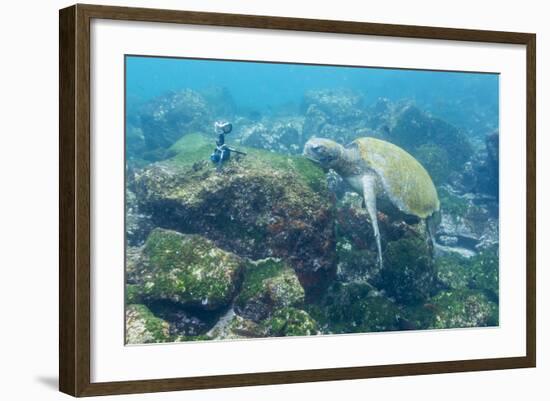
(271, 199)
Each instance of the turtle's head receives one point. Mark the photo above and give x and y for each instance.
(323, 151)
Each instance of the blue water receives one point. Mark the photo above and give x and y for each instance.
(259, 86)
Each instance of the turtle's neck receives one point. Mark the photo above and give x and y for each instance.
(348, 162)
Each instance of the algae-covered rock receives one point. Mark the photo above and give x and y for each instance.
(480, 174)
(410, 128)
(135, 141)
(185, 323)
(290, 322)
(455, 308)
(138, 224)
(468, 221)
(267, 285)
(333, 113)
(464, 308)
(353, 223)
(188, 269)
(261, 205)
(491, 165)
(408, 274)
(452, 271)
(133, 257)
(232, 327)
(355, 308)
(452, 203)
(340, 105)
(282, 135)
(220, 102)
(143, 327)
(354, 265)
(356, 247)
(479, 272)
(484, 270)
(418, 316)
(132, 294)
(436, 161)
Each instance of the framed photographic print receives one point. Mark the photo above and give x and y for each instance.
(250, 200)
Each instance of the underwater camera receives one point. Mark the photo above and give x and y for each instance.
(223, 127)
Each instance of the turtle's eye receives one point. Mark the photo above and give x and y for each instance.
(320, 149)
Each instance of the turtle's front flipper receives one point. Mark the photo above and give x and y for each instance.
(431, 227)
(369, 195)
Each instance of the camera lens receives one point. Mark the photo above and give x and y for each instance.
(226, 128)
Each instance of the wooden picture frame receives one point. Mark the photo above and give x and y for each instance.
(75, 198)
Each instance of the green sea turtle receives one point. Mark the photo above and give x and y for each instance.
(376, 168)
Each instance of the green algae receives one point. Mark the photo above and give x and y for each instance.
(191, 148)
(196, 147)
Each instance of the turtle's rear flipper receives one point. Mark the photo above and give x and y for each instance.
(369, 198)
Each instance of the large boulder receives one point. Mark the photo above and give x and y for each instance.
(475, 111)
(166, 118)
(340, 105)
(187, 269)
(480, 174)
(282, 135)
(439, 146)
(135, 142)
(221, 103)
(260, 205)
(334, 113)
